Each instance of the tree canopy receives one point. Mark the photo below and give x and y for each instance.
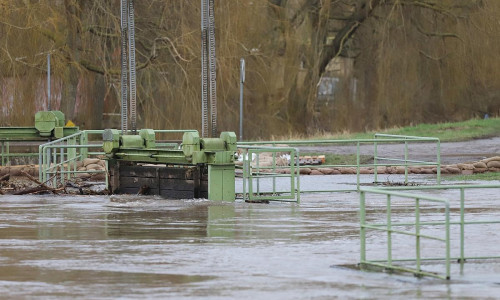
(392, 62)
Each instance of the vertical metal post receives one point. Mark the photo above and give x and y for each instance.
(297, 157)
(124, 66)
(250, 178)
(7, 152)
(1, 154)
(375, 154)
(439, 162)
(43, 166)
(406, 161)
(462, 225)
(257, 167)
(61, 151)
(212, 65)
(245, 172)
(358, 161)
(242, 83)
(68, 159)
(132, 71)
(362, 233)
(48, 83)
(72, 156)
(107, 174)
(274, 172)
(417, 232)
(204, 69)
(40, 163)
(389, 231)
(447, 212)
(54, 167)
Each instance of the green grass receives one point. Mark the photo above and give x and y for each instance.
(491, 176)
(457, 131)
(446, 132)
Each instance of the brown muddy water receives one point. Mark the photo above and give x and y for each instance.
(103, 247)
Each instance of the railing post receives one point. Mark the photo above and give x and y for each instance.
(274, 171)
(438, 162)
(250, 178)
(257, 166)
(406, 160)
(54, 167)
(2, 161)
(358, 161)
(375, 154)
(389, 231)
(462, 225)
(447, 212)
(40, 163)
(245, 172)
(362, 220)
(417, 232)
(297, 157)
(7, 152)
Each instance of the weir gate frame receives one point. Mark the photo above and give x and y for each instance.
(58, 159)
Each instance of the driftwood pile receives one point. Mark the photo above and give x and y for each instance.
(22, 180)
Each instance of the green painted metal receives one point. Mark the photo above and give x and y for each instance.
(48, 125)
(217, 153)
(252, 175)
(378, 161)
(389, 227)
(221, 182)
(58, 158)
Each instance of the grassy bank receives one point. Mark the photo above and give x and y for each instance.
(447, 132)
(492, 176)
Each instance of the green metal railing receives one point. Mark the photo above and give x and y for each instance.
(460, 221)
(406, 161)
(58, 159)
(378, 161)
(254, 174)
(6, 155)
(388, 227)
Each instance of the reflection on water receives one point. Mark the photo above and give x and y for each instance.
(131, 247)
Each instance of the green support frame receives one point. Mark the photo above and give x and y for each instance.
(389, 227)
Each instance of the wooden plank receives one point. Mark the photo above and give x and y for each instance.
(138, 171)
(138, 182)
(177, 184)
(173, 194)
(177, 173)
(135, 191)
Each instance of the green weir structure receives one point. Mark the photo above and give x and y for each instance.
(210, 158)
(49, 125)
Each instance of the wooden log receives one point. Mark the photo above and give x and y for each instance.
(5, 177)
(38, 182)
(32, 190)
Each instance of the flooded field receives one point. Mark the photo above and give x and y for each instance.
(144, 247)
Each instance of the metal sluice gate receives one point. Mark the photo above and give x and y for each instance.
(200, 166)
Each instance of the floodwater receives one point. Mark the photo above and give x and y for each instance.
(103, 247)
